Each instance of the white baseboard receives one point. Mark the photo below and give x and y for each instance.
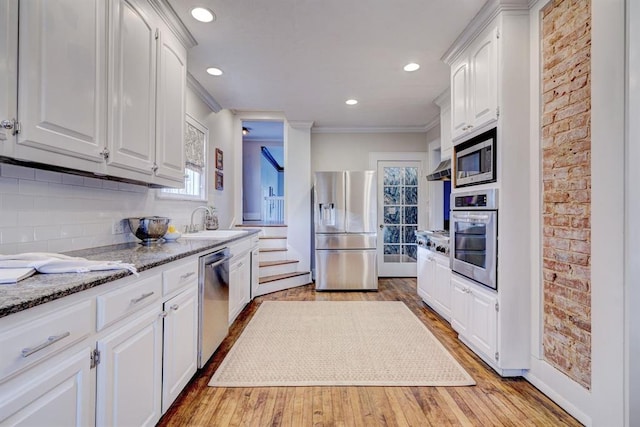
(565, 392)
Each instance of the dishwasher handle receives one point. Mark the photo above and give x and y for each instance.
(218, 262)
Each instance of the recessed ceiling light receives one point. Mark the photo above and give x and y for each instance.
(351, 101)
(203, 15)
(214, 71)
(412, 66)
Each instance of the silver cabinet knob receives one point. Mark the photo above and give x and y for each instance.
(174, 307)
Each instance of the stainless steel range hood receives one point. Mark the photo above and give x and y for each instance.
(442, 172)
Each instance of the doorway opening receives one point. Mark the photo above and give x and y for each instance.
(263, 172)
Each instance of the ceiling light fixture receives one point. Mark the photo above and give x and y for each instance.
(202, 14)
(412, 66)
(245, 131)
(351, 101)
(214, 71)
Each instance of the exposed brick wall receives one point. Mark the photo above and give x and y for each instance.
(566, 194)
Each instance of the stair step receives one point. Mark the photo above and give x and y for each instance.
(273, 243)
(272, 250)
(266, 255)
(260, 225)
(280, 262)
(275, 277)
(268, 230)
(272, 268)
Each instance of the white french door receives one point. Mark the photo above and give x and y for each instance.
(399, 213)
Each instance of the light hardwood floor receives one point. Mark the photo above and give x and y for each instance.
(494, 401)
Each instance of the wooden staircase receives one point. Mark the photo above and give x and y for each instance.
(277, 271)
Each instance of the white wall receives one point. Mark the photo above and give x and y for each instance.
(603, 405)
(350, 151)
(253, 177)
(632, 225)
(56, 212)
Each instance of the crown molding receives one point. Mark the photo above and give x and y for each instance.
(302, 125)
(170, 17)
(387, 129)
(487, 13)
(444, 99)
(202, 93)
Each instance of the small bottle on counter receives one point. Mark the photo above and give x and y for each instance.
(211, 220)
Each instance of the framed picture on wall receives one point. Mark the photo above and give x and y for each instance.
(219, 180)
(219, 160)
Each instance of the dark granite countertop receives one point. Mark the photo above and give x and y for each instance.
(41, 288)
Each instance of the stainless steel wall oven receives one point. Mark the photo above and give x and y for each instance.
(474, 235)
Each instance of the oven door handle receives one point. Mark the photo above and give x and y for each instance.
(471, 218)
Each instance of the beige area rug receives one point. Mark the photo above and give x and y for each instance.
(337, 343)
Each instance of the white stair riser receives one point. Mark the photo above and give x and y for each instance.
(273, 256)
(273, 243)
(278, 285)
(273, 232)
(272, 270)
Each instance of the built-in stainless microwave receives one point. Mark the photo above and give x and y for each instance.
(475, 160)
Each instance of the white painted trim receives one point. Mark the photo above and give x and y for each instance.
(170, 17)
(202, 93)
(559, 389)
(632, 213)
(389, 129)
(444, 99)
(301, 125)
(487, 13)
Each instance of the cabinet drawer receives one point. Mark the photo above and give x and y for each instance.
(120, 303)
(239, 248)
(41, 338)
(177, 277)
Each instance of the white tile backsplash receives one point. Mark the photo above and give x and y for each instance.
(44, 211)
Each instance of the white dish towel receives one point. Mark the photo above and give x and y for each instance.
(45, 262)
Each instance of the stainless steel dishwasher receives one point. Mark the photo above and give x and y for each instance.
(213, 321)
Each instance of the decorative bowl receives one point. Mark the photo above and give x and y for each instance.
(149, 229)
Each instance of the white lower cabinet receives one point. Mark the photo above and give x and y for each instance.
(239, 282)
(129, 374)
(54, 393)
(474, 315)
(426, 275)
(180, 349)
(434, 286)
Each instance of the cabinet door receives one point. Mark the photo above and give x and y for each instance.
(56, 393)
(234, 290)
(484, 80)
(482, 330)
(443, 289)
(426, 275)
(459, 306)
(133, 78)
(255, 272)
(459, 98)
(180, 344)
(170, 110)
(130, 373)
(8, 68)
(62, 77)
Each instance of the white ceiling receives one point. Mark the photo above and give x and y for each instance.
(306, 57)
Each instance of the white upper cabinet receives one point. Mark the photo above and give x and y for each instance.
(474, 86)
(132, 98)
(62, 77)
(446, 146)
(459, 98)
(100, 86)
(170, 111)
(8, 68)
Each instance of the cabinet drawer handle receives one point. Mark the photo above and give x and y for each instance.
(174, 307)
(187, 275)
(163, 314)
(26, 352)
(240, 265)
(141, 297)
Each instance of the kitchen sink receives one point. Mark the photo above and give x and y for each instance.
(214, 234)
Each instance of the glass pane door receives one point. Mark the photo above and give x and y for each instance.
(399, 202)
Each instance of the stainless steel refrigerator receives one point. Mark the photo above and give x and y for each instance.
(345, 220)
